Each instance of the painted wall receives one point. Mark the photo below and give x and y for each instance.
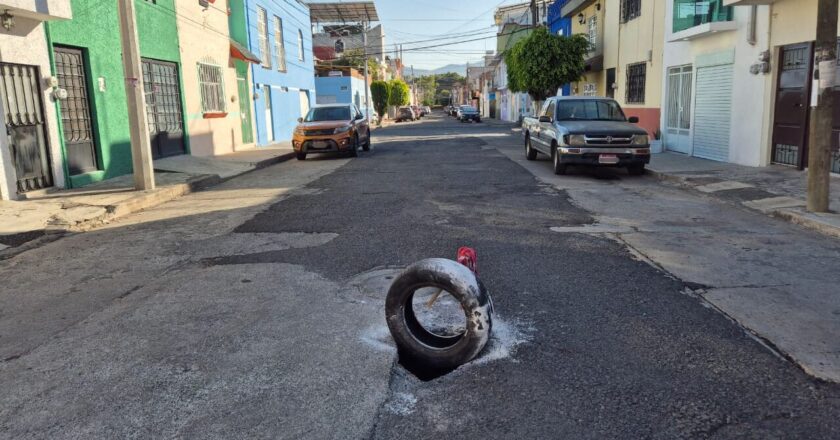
(599, 77)
(340, 90)
(204, 38)
(746, 143)
(26, 44)
(559, 25)
(286, 87)
(95, 30)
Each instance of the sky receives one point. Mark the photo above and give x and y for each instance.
(413, 22)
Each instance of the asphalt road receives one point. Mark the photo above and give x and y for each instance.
(247, 311)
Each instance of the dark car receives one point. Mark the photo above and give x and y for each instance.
(468, 113)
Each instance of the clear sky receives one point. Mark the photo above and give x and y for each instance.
(413, 22)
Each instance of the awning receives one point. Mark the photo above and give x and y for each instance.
(239, 52)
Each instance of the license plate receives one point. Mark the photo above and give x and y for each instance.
(608, 158)
(320, 145)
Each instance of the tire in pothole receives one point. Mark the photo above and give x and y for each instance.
(415, 342)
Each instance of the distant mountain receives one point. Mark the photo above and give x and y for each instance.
(460, 69)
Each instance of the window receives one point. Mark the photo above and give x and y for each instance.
(589, 89)
(593, 33)
(636, 83)
(589, 110)
(549, 110)
(690, 13)
(300, 45)
(339, 46)
(211, 84)
(262, 30)
(630, 9)
(279, 45)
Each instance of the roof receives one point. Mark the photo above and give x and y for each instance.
(343, 12)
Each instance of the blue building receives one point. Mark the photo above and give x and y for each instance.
(340, 85)
(280, 34)
(559, 25)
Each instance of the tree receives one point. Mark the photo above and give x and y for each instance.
(399, 92)
(380, 93)
(541, 63)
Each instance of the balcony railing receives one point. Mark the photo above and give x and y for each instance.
(691, 13)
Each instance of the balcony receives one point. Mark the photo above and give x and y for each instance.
(698, 18)
(40, 10)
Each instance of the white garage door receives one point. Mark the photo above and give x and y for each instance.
(712, 111)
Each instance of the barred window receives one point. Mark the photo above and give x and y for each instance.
(300, 45)
(212, 87)
(636, 83)
(630, 9)
(279, 44)
(262, 35)
(590, 89)
(593, 33)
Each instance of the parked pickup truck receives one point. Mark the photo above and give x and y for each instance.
(586, 130)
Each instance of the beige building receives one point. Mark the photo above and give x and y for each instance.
(30, 157)
(212, 108)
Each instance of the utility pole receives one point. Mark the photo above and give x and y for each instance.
(367, 87)
(534, 17)
(141, 150)
(819, 152)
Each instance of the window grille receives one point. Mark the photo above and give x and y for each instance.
(593, 33)
(300, 45)
(636, 83)
(630, 9)
(262, 35)
(279, 44)
(211, 82)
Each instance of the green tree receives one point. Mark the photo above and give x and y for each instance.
(380, 93)
(399, 92)
(541, 63)
(355, 58)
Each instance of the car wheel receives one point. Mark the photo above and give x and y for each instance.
(300, 156)
(636, 170)
(438, 350)
(354, 149)
(366, 146)
(559, 167)
(530, 152)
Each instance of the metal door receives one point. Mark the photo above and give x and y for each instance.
(269, 116)
(20, 92)
(245, 110)
(678, 112)
(163, 107)
(76, 121)
(712, 112)
(790, 122)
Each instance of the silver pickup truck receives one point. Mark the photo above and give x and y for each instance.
(586, 130)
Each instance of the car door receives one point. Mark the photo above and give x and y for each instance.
(361, 125)
(546, 128)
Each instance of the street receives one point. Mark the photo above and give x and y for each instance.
(254, 309)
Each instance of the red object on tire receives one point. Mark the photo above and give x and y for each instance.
(468, 257)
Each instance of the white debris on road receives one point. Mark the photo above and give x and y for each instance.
(505, 338)
(401, 404)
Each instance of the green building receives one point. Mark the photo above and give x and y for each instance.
(86, 59)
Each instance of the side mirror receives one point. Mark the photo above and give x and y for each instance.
(300, 119)
(544, 118)
(633, 119)
(359, 117)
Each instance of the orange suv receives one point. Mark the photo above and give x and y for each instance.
(335, 128)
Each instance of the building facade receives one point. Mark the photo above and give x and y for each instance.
(93, 113)
(562, 26)
(342, 85)
(217, 115)
(31, 156)
(280, 34)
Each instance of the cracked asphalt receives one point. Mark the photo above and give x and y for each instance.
(254, 310)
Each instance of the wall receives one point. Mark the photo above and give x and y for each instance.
(285, 86)
(340, 90)
(204, 37)
(26, 44)
(597, 77)
(95, 29)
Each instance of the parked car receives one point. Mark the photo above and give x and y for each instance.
(426, 110)
(586, 131)
(405, 113)
(334, 128)
(417, 113)
(469, 113)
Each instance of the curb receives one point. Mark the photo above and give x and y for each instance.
(56, 229)
(794, 216)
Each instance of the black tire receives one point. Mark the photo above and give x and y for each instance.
(636, 170)
(478, 120)
(300, 155)
(354, 149)
(418, 345)
(530, 152)
(559, 168)
(366, 146)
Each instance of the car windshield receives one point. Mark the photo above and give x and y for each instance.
(470, 109)
(320, 114)
(588, 110)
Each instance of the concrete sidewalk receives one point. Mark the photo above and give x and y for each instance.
(45, 216)
(774, 190)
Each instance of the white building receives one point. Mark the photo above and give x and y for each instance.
(30, 156)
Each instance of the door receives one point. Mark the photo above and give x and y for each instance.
(678, 116)
(546, 127)
(269, 115)
(20, 92)
(245, 110)
(163, 108)
(304, 103)
(790, 120)
(712, 112)
(76, 120)
(610, 83)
